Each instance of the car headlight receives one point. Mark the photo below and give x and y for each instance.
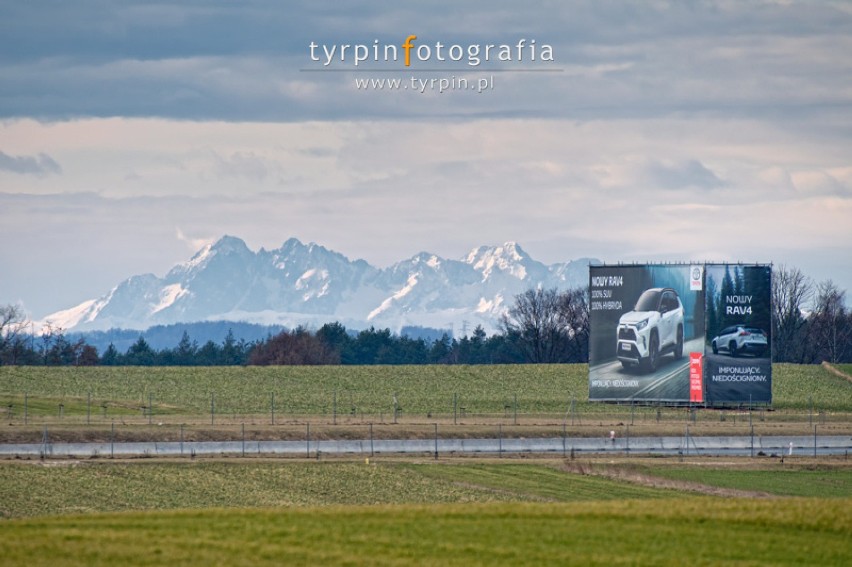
(641, 324)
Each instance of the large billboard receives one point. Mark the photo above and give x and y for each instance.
(737, 353)
(657, 333)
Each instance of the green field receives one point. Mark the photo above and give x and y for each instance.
(33, 488)
(30, 489)
(411, 511)
(813, 483)
(358, 392)
(697, 531)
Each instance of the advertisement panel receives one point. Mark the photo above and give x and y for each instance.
(681, 333)
(737, 352)
(646, 321)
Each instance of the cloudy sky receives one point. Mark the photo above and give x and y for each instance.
(131, 134)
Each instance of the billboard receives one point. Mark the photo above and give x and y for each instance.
(737, 353)
(681, 333)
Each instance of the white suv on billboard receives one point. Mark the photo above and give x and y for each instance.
(738, 339)
(653, 328)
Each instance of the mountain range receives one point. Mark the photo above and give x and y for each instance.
(307, 284)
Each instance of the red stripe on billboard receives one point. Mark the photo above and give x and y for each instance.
(696, 382)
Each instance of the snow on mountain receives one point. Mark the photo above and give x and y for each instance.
(308, 284)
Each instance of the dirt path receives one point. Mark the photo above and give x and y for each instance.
(626, 474)
(836, 371)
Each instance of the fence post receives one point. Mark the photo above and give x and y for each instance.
(815, 440)
(436, 441)
(500, 440)
(811, 412)
(752, 440)
(516, 409)
(26, 407)
(372, 452)
(112, 441)
(89, 408)
(308, 437)
(212, 407)
(334, 408)
(455, 408)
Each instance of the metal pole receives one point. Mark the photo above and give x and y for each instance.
(371, 440)
(516, 409)
(752, 441)
(811, 413)
(26, 408)
(244, 439)
(150, 408)
(112, 441)
(628, 441)
(500, 440)
(181, 439)
(272, 408)
(455, 408)
(308, 437)
(436, 441)
(89, 408)
(563, 438)
(815, 440)
(334, 408)
(212, 407)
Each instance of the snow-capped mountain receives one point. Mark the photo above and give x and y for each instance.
(307, 284)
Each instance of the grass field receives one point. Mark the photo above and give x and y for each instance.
(479, 511)
(64, 487)
(813, 482)
(31, 489)
(348, 391)
(698, 531)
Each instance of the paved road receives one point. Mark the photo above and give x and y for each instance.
(670, 382)
(739, 445)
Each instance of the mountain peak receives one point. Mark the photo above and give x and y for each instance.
(508, 257)
(310, 284)
(229, 244)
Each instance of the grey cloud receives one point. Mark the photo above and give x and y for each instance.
(40, 165)
(681, 175)
(242, 164)
(241, 61)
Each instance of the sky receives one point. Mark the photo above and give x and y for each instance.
(134, 133)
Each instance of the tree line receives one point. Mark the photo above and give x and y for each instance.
(543, 326)
(810, 324)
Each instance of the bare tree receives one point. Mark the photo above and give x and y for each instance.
(791, 292)
(829, 330)
(548, 326)
(13, 323)
(574, 314)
